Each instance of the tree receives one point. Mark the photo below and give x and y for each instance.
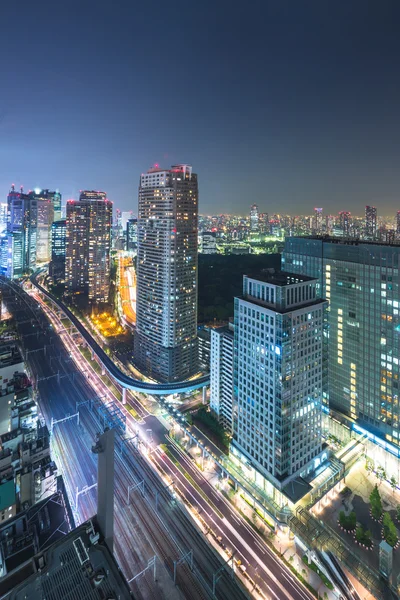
(376, 503)
(389, 530)
(380, 473)
(369, 465)
(393, 483)
(398, 512)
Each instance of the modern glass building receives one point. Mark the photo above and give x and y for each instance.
(58, 250)
(166, 325)
(54, 197)
(22, 233)
(278, 379)
(88, 244)
(221, 375)
(45, 220)
(361, 282)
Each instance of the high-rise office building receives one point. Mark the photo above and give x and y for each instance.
(345, 222)
(221, 375)
(209, 242)
(370, 222)
(131, 234)
(317, 220)
(3, 217)
(21, 232)
(54, 197)
(58, 250)
(45, 218)
(398, 224)
(166, 326)
(278, 378)
(88, 243)
(361, 282)
(254, 218)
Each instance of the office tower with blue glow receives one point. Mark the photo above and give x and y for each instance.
(361, 282)
(53, 197)
(45, 212)
(131, 234)
(278, 380)
(88, 244)
(166, 326)
(22, 215)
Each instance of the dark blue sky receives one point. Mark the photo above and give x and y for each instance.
(288, 104)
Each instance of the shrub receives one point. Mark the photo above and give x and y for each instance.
(363, 537)
(348, 522)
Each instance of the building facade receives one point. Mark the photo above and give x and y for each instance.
(361, 282)
(166, 326)
(254, 218)
(88, 244)
(131, 235)
(278, 376)
(22, 219)
(45, 211)
(209, 243)
(221, 375)
(53, 197)
(58, 250)
(370, 223)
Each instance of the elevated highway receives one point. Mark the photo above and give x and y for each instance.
(157, 389)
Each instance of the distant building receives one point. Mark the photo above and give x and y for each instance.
(221, 375)
(209, 243)
(166, 309)
(45, 212)
(53, 197)
(21, 232)
(398, 224)
(131, 234)
(58, 250)
(254, 218)
(88, 244)
(345, 222)
(126, 215)
(317, 220)
(370, 222)
(278, 379)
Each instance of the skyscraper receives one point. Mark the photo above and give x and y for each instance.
(370, 222)
(54, 197)
(131, 234)
(278, 377)
(21, 232)
(344, 222)
(88, 243)
(361, 282)
(58, 249)
(254, 218)
(45, 219)
(398, 224)
(166, 326)
(317, 220)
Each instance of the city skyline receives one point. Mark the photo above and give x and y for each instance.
(279, 105)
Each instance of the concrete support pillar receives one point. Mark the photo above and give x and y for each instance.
(103, 370)
(92, 354)
(123, 395)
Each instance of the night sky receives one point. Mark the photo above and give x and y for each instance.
(289, 104)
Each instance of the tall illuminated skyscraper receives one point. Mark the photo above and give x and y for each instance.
(254, 218)
(166, 325)
(345, 222)
(88, 243)
(370, 222)
(317, 220)
(21, 232)
(54, 197)
(58, 250)
(45, 209)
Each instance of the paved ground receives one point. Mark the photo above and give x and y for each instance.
(362, 483)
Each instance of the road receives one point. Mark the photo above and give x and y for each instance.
(169, 531)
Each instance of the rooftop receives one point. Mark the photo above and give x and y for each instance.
(345, 241)
(280, 278)
(78, 566)
(9, 355)
(7, 494)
